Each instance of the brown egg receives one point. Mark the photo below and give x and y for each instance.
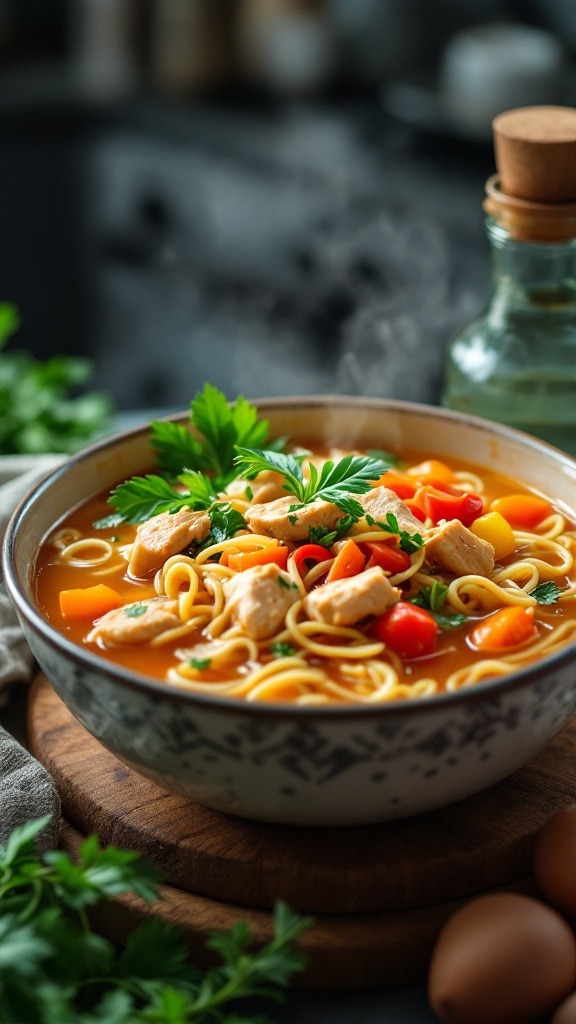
(502, 959)
(566, 1012)
(554, 860)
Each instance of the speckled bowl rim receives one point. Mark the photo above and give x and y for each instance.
(282, 710)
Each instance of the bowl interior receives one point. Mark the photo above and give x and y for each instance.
(395, 426)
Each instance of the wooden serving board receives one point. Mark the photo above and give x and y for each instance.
(379, 894)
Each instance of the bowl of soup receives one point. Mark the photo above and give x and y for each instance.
(312, 611)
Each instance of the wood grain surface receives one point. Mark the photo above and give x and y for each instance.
(379, 894)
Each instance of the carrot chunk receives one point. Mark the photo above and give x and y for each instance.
(240, 560)
(524, 511)
(88, 602)
(349, 561)
(508, 627)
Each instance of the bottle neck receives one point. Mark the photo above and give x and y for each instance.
(539, 276)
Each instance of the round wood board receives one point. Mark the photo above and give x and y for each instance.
(379, 894)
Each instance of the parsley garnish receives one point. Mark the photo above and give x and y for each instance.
(433, 599)
(199, 663)
(202, 467)
(409, 542)
(43, 405)
(385, 456)
(322, 535)
(288, 584)
(282, 650)
(53, 967)
(546, 593)
(135, 610)
(354, 474)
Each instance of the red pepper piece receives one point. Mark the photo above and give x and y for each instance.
(441, 505)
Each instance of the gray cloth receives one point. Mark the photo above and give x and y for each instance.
(26, 789)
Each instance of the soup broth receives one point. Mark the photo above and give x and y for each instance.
(450, 575)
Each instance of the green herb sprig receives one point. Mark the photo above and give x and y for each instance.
(196, 469)
(55, 970)
(546, 593)
(42, 405)
(354, 474)
(433, 599)
(408, 542)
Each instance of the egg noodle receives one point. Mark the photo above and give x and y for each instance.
(206, 649)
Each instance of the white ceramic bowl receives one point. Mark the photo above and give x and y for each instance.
(341, 765)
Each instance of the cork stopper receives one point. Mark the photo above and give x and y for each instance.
(535, 149)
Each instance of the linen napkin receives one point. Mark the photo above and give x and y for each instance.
(26, 788)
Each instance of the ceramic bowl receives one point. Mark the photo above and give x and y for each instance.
(339, 765)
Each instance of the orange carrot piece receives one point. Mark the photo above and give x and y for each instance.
(508, 627)
(88, 602)
(348, 562)
(241, 560)
(524, 511)
(432, 471)
(402, 485)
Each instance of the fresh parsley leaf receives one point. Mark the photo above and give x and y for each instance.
(282, 650)
(354, 474)
(199, 663)
(42, 406)
(175, 447)
(546, 593)
(287, 584)
(409, 542)
(225, 522)
(55, 970)
(433, 599)
(388, 458)
(223, 427)
(142, 497)
(134, 611)
(202, 467)
(322, 535)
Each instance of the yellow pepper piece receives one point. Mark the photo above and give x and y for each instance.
(497, 531)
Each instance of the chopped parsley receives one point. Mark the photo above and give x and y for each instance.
(326, 537)
(409, 542)
(546, 593)
(282, 650)
(433, 599)
(133, 611)
(199, 663)
(288, 584)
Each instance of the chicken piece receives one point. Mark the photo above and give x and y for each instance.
(456, 549)
(136, 623)
(259, 599)
(165, 535)
(275, 519)
(346, 602)
(381, 500)
(265, 487)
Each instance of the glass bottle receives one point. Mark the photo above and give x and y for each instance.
(516, 363)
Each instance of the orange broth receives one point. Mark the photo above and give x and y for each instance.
(453, 650)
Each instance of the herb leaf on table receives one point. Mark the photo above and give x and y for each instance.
(42, 406)
(55, 970)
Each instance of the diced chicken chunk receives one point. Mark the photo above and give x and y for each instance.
(346, 602)
(259, 599)
(381, 500)
(267, 486)
(455, 548)
(165, 535)
(275, 519)
(136, 623)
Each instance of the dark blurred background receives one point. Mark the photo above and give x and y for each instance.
(277, 196)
